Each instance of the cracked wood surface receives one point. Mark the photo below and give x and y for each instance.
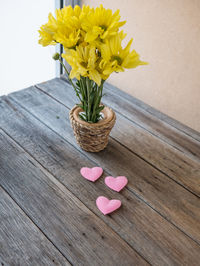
(41, 186)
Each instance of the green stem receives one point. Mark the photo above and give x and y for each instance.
(82, 89)
(88, 98)
(89, 94)
(95, 105)
(69, 78)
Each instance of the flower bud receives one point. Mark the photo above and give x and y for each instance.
(56, 56)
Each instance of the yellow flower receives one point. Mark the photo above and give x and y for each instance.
(68, 17)
(47, 32)
(69, 26)
(91, 40)
(115, 58)
(65, 28)
(68, 38)
(83, 61)
(67, 12)
(101, 23)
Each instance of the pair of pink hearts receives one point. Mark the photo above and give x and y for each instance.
(105, 205)
(115, 183)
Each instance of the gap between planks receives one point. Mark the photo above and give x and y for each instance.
(158, 114)
(139, 156)
(185, 150)
(144, 107)
(133, 192)
(29, 218)
(29, 115)
(64, 189)
(155, 134)
(180, 184)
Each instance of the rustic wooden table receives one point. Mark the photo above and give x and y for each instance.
(48, 214)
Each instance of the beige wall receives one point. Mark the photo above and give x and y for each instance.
(166, 34)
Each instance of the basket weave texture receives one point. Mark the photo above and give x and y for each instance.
(92, 137)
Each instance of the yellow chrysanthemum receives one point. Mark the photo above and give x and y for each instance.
(101, 23)
(69, 32)
(115, 58)
(83, 61)
(65, 28)
(47, 32)
(91, 40)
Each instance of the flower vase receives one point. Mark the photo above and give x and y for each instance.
(92, 137)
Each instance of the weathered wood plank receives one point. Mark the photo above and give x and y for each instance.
(157, 240)
(168, 198)
(21, 242)
(79, 234)
(161, 116)
(174, 163)
(169, 134)
(147, 108)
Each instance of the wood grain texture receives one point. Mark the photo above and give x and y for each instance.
(147, 108)
(169, 160)
(79, 234)
(21, 242)
(150, 234)
(176, 138)
(161, 193)
(167, 133)
(164, 195)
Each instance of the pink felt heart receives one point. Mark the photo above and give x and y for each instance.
(107, 206)
(116, 183)
(91, 174)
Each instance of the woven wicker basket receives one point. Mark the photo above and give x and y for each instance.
(92, 137)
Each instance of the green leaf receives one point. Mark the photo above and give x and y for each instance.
(92, 95)
(99, 109)
(79, 105)
(82, 117)
(78, 83)
(83, 114)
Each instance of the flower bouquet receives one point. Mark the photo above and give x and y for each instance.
(93, 48)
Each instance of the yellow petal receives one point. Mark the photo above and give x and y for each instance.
(105, 52)
(95, 76)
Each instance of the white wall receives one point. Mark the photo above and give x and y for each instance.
(23, 62)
